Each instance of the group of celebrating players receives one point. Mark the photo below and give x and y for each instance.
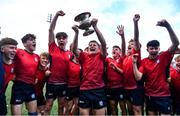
(89, 82)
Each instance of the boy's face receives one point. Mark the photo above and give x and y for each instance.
(129, 50)
(44, 61)
(30, 44)
(177, 61)
(93, 48)
(116, 52)
(62, 41)
(9, 51)
(153, 51)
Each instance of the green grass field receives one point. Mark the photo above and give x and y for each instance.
(24, 111)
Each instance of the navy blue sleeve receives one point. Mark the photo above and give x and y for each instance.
(1, 73)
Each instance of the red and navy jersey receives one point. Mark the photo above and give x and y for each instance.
(129, 78)
(114, 78)
(175, 84)
(93, 68)
(26, 65)
(59, 64)
(73, 72)
(154, 71)
(40, 75)
(9, 74)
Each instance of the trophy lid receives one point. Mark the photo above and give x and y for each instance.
(82, 16)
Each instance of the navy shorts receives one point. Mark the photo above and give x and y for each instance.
(176, 108)
(41, 101)
(135, 96)
(72, 92)
(95, 99)
(3, 107)
(54, 91)
(158, 104)
(22, 92)
(117, 94)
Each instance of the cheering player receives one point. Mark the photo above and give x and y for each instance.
(26, 65)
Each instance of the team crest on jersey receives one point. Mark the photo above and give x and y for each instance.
(35, 59)
(69, 56)
(157, 61)
(12, 70)
(117, 60)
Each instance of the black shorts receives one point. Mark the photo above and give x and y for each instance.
(54, 91)
(159, 104)
(72, 92)
(117, 94)
(41, 101)
(135, 96)
(3, 105)
(22, 92)
(95, 99)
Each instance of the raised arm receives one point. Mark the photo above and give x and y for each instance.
(136, 31)
(138, 75)
(100, 37)
(173, 37)
(120, 31)
(75, 40)
(53, 25)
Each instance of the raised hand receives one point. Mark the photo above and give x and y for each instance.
(60, 13)
(112, 65)
(136, 18)
(47, 73)
(75, 28)
(135, 57)
(94, 22)
(120, 30)
(162, 23)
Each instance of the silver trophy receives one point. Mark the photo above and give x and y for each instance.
(84, 23)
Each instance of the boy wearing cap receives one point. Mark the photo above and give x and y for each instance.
(8, 50)
(153, 69)
(26, 65)
(57, 82)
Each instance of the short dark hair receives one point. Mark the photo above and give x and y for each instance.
(94, 41)
(63, 34)
(116, 46)
(131, 40)
(27, 37)
(153, 43)
(46, 54)
(7, 40)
